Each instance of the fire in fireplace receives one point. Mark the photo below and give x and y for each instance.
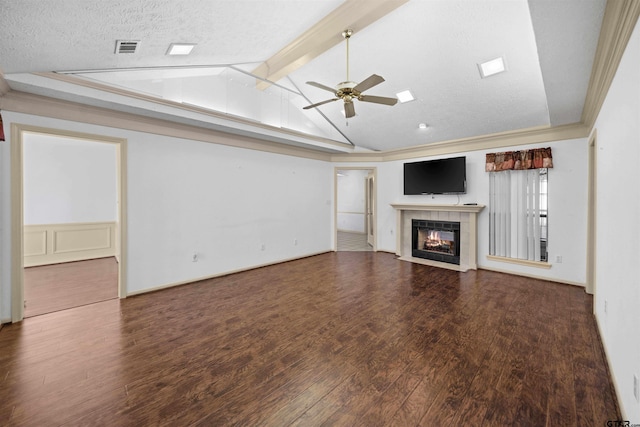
(436, 240)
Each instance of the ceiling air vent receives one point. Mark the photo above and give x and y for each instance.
(126, 46)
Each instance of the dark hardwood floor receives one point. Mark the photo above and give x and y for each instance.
(56, 287)
(339, 339)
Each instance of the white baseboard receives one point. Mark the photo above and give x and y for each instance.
(613, 378)
(533, 276)
(213, 276)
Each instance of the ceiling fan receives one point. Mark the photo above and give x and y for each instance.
(348, 90)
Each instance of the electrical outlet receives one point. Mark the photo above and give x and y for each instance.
(559, 259)
(605, 306)
(263, 247)
(636, 387)
(295, 242)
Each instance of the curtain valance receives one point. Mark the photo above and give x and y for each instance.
(536, 158)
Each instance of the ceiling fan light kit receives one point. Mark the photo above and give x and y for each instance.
(348, 91)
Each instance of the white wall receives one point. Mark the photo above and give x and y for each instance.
(351, 200)
(68, 181)
(618, 227)
(223, 203)
(185, 196)
(567, 208)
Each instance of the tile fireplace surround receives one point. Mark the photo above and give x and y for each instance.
(467, 215)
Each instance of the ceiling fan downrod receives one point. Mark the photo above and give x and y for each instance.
(347, 35)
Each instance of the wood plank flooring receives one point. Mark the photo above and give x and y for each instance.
(50, 288)
(339, 339)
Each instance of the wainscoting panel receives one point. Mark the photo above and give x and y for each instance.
(56, 243)
(35, 243)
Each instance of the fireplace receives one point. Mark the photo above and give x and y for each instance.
(467, 233)
(436, 240)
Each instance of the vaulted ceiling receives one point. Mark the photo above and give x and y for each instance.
(431, 47)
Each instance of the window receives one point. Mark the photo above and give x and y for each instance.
(518, 214)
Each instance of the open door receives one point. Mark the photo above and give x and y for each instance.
(370, 209)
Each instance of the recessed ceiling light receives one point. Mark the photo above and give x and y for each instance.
(492, 67)
(422, 126)
(405, 96)
(180, 48)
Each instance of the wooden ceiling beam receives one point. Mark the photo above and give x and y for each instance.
(327, 33)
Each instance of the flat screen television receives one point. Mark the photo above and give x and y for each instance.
(442, 176)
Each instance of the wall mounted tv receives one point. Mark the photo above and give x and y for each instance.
(442, 176)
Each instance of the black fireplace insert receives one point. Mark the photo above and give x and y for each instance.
(436, 240)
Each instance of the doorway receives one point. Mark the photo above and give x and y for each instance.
(355, 209)
(51, 245)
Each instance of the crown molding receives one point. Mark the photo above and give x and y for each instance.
(26, 103)
(618, 23)
(73, 80)
(485, 142)
(354, 14)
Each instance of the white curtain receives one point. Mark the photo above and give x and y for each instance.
(515, 214)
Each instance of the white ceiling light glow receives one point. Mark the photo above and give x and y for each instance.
(422, 126)
(405, 96)
(180, 48)
(489, 68)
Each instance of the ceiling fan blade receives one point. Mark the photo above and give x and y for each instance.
(368, 83)
(378, 99)
(319, 103)
(349, 109)
(321, 86)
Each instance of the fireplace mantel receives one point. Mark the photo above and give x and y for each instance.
(465, 214)
(440, 208)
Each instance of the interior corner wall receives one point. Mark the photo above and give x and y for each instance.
(235, 208)
(75, 180)
(617, 284)
(567, 201)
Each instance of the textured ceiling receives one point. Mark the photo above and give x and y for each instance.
(431, 47)
(59, 35)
